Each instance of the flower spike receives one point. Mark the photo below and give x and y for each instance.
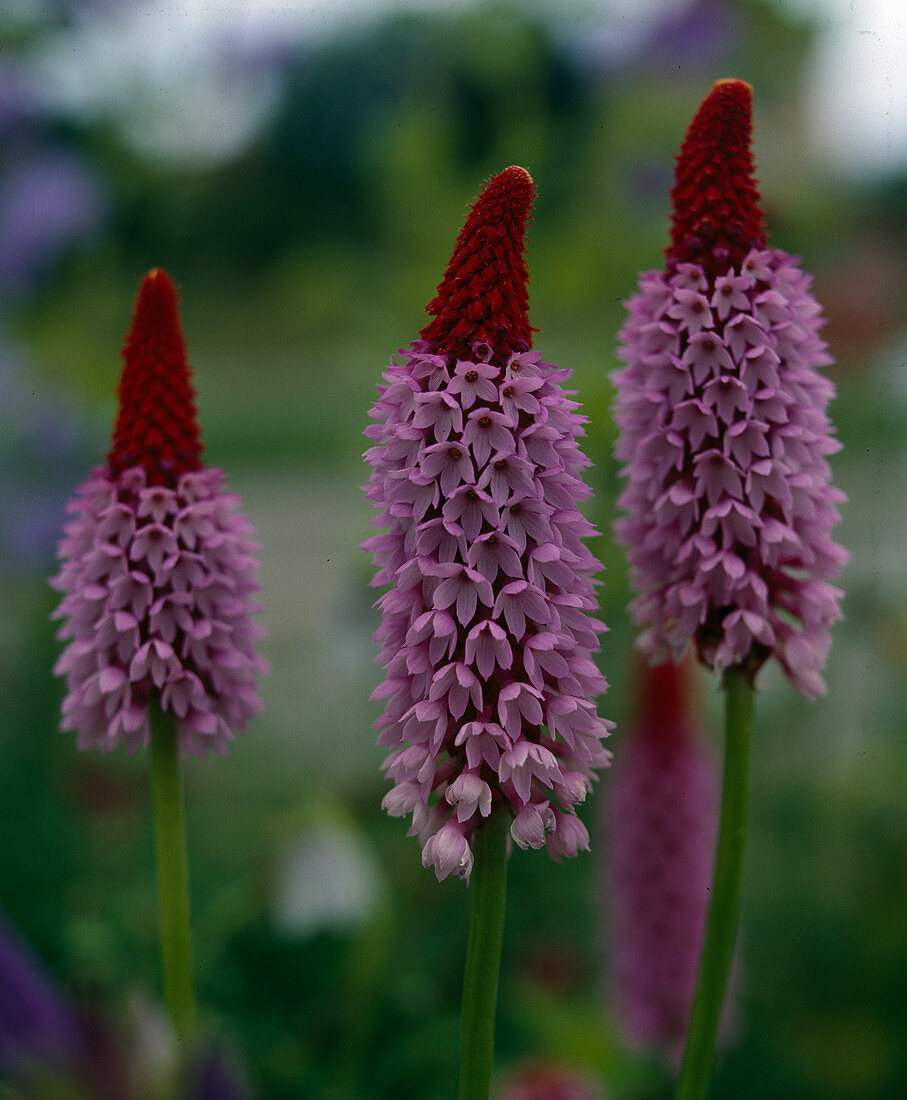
(723, 428)
(158, 567)
(664, 794)
(487, 632)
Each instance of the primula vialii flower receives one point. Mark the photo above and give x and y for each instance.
(723, 426)
(158, 567)
(487, 634)
(665, 796)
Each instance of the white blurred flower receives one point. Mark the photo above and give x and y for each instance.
(326, 878)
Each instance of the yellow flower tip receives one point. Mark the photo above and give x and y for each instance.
(516, 171)
(743, 85)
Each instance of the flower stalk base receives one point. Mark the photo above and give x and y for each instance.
(172, 873)
(724, 905)
(488, 886)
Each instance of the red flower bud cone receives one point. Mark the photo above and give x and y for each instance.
(483, 296)
(156, 426)
(716, 219)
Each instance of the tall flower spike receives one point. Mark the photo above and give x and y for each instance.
(158, 567)
(486, 634)
(664, 793)
(723, 428)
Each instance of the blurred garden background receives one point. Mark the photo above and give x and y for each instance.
(303, 180)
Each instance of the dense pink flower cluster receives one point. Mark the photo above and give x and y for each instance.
(664, 794)
(158, 568)
(724, 432)
(487, 633)
(159, 586)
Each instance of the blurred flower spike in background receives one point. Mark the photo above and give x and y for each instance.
(158, 568)
(487, 633)
(723, 428)
(664, 793)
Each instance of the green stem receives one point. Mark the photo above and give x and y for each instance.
(483, 956)
(172, 872)
(724, 904)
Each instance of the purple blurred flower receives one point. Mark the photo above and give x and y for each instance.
(664, 794)
(16, 107)
(486, 634)
(47, 204)
(37, 1023)
(693, 37)
(158, 566)
(47, 1041)
(689, 37)
(216, 1078)
(721, 411)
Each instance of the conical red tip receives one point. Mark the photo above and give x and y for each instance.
(156, 425)
(716, 217)
(484, 294)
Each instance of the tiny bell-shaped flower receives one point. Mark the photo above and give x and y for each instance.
(158, 567)
(487, 631)
(723, 427)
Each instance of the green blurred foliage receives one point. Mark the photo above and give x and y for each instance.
(303, 264)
